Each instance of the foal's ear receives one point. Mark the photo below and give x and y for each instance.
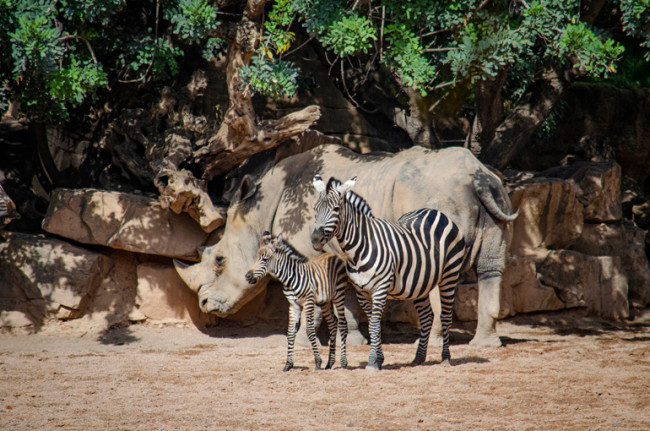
(343, 188)
(266, 237)
(319, 185)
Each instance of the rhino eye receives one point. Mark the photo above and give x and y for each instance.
(220, 260)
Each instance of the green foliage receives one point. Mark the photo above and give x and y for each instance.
(422, 42)
(270, 78)
(407, 59)
(143, 55)
(192, 20)
(55, 55)
(91, 11)
(636, 21)
(595, 56)
(350, 34)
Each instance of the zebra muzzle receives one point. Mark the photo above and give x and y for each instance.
(250, 277)
(318, 238)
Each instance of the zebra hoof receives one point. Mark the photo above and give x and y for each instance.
(344, 363)
(418, 361)
(287, 366)
(373, 367)
(329, 365)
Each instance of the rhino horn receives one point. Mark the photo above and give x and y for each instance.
(186, 273)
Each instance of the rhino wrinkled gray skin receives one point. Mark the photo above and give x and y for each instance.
(451, 180)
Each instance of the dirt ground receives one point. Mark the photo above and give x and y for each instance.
(557, 371)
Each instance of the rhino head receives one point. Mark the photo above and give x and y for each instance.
(219, 279)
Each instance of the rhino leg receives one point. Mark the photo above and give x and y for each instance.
(489, 292)
(490, 264)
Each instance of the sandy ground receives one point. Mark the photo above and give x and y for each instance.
(554, 372)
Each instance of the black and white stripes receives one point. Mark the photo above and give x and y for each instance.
(307, 282)
(399, 260)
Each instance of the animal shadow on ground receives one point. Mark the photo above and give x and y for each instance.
(117, 336)
(454, 362)
(577, 322)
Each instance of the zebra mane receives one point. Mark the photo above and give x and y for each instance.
(291, 252)
(354, 199)
(359, 203)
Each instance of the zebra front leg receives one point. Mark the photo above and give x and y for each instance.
(339, 303)
(294, 323)
(376, 358)
(425, 315)
(330, 318)
(311, 332)
(364, 302)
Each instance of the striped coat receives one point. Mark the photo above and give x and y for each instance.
(307, 282)
(401, 260)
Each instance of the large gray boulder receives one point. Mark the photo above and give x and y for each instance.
(45, 278)
(625, 241)
(162, 297)
(123, 221)
(550, 215)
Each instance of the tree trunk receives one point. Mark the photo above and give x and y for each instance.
(531, 111)
(241, 135)
(536, 104)
(489, 111)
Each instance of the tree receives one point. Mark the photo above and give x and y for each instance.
(514, 58)
(506, 61)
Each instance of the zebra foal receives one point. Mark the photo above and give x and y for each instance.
(321, 281)
(401, 260)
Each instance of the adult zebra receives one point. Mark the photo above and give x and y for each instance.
(403, 260)
(321, 281)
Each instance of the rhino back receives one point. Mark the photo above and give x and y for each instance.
(392, 184)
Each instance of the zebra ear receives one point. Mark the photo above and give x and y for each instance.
(342, 189)
(266, 237)
(319, 185)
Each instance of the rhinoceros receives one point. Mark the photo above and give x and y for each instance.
(451, 180)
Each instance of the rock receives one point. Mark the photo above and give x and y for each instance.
(595, 282)
(46, 278)
(550, 215)
(122, 221)
(113, 302)
(163, 297)
(598, 188)
(528, 294)
(613, 293)
(181, 192)
(627, 242)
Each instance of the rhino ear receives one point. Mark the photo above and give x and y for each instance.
(343, 188)
(247, 188)
(319, 185)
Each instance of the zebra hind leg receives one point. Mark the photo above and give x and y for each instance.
(425, 314)
(330, 318)
(294, 325)
(311, 333)
(339, 303)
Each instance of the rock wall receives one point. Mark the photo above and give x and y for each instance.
(571, 249)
